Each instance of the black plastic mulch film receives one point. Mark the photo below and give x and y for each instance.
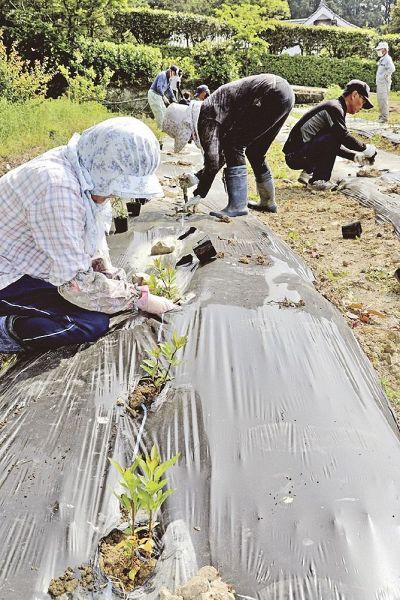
(289, 478)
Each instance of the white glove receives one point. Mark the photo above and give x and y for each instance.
(155, 305)
(369, 151)
(361, 159)
(194, 201)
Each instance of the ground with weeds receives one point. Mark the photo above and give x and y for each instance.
(355, 275)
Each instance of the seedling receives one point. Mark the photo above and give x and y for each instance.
(162, 282)
(119, 207)
(143, 490)
(162, 359)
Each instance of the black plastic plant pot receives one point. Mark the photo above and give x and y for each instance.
(142, 200)
(121, 224)
(205, 251)
(351, 231)
(397, 274)
(133, 208)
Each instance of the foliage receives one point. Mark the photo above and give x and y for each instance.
(161, 359)
(321, 71)
(364, 13)
(215, 63)
(51, 29)
(151, 483)
(83, 87)
(131, 64)
(143, 490)
(150, 26)
(337, 42)
(18, 81)
(162, 282)
(41, 125)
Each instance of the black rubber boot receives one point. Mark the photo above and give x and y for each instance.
(236, 186)
(266, 190)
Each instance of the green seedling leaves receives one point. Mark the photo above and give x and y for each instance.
(162, 358)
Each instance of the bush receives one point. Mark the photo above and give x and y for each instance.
(150, 26)
(87, 87)
(131, 64)
(215, 63)
(18, 82)
(321, 71)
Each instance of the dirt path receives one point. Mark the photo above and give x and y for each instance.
(355, 275)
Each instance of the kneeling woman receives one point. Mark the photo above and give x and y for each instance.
(57, 284)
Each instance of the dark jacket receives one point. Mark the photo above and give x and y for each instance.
(326, 117)
(232, 106)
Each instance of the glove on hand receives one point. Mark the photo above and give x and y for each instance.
(155, 305)
(369, 151)
(194, 201)
(361, 159)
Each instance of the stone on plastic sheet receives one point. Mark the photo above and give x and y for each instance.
(165, 594)
(161, 247)
(194, 588)
(208, 572)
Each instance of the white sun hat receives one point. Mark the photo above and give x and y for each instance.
(382, 46)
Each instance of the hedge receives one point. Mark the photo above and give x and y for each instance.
(317, 71)
(150, 26)
(135, 65)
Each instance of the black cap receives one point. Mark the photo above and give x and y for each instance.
(362, 88)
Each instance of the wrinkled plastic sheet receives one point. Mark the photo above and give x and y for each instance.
(290, 471)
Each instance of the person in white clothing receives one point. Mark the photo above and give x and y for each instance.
(384, 74)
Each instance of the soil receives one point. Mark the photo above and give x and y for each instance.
(355, 275)
(68, 582)
(116, 561)
(144, 393)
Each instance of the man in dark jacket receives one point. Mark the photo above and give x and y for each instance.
(240, 119)
(321, 135)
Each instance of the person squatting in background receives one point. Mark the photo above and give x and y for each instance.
(160, 93)
(239, 120)
(384, 72)
(321, 135)
(57, 283)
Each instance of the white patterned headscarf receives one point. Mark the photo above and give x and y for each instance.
(116, 157)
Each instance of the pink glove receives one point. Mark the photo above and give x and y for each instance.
(155, 305)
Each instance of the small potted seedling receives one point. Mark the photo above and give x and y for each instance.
(133, 207)
(128, 556)
(120, 214)
(162, 281)
(158, 366)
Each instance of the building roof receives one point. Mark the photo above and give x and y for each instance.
(322, 13)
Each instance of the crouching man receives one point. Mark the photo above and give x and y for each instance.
(321, 135)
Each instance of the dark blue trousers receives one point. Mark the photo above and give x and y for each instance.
(316, 156)
(44, 320)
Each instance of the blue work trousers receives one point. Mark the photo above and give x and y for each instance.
(42, 319)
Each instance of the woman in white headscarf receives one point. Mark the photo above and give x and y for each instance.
(57, 284)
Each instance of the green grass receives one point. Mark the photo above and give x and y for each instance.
(392, 393)
(41, 125)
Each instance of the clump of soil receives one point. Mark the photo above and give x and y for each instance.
(355, 275)
(205, 585)
(117, 560)
(143, 393)
(68, 582)
(64, 584)
(368, 171)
